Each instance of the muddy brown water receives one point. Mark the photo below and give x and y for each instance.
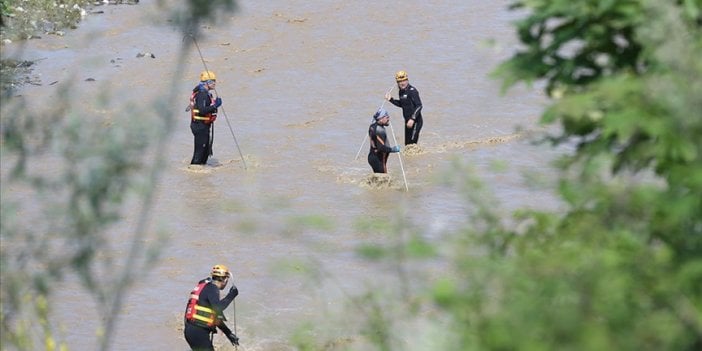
(299, 80)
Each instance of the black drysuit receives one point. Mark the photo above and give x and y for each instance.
(411, 109)
(201, 130)
(379, 150)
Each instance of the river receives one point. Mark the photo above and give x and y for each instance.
(300, 81)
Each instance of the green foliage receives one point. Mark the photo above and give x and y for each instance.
(317, 222)
(378, 326)
(303, 339)
(619, 269)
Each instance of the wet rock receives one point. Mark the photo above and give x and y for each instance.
(15, 63)
(146, 54)
(48, 26)
(16, 73)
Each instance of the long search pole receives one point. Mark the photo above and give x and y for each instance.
(365, 137)
(223, 111)
(234, 307)
(400, 157)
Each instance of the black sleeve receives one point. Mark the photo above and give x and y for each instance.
(395, 102)
(211, 294)
(229, 298)
(223, 327)
(416, 102)
(203, 103)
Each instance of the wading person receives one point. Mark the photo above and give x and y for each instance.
(379, 149)
(203, 112)
(411, 106)
(204, 311)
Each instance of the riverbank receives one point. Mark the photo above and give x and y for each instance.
(33, 19)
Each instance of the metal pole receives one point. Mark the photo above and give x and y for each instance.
(400, 157)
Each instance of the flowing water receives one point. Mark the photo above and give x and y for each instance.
(300, 81)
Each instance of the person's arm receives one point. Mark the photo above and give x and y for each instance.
(228, 333)
(380, 138)
(394, 101)
(211, 293)
(416, 102)
(233, 292)
(224, 328)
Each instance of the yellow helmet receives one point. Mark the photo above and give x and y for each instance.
(400, 76)
(207, 75)
(220, 270)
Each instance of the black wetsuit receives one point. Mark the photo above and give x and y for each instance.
(200, 129)
(379, 149)
(411, 109)
(199, 337)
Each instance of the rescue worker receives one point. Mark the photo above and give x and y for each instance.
(204, 311)
(379, 149)
(411, 107)
(203, 112)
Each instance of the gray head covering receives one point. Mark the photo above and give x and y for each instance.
(380, 114)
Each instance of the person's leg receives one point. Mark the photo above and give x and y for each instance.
(201, 135)
(198, 338)
(408, 135)
(375, 163)
(414, 138)
(384, 160)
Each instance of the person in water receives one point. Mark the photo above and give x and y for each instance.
(204, 311)
(379, 149)
(411, 107)
(203, 112)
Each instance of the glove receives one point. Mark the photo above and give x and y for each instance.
(233, 339)
(218, 102)
(234, 290)
(395, 148)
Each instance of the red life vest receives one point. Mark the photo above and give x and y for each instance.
(197, 314)
(195, 113)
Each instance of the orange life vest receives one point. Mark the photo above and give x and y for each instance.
(195, 113)
(197, 314)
